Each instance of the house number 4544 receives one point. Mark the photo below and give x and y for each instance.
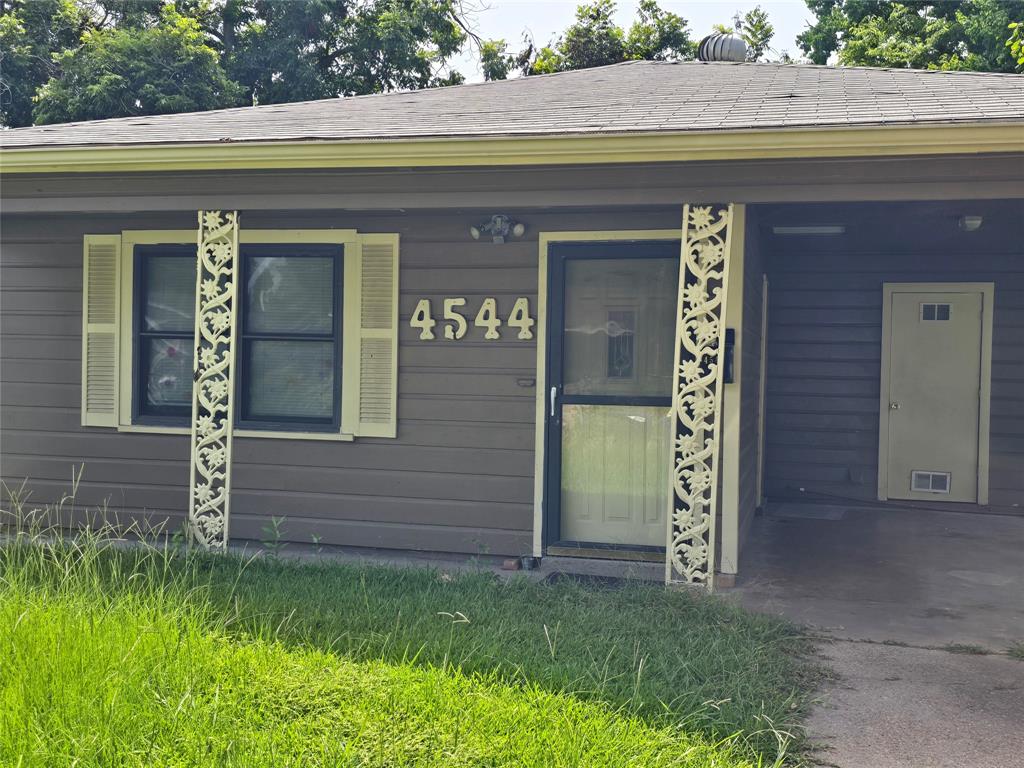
(455, 325)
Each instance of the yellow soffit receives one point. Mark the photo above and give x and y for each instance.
(870, 141)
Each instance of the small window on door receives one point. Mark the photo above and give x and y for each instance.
(935, 312)
(929, 482)
(621, 343)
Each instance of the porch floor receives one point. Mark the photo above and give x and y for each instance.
(917, 576)
(884, 587)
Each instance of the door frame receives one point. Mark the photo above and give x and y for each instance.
(547, 239)
(987, 291)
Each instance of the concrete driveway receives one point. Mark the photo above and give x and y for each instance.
(916, 610)
(900, 707)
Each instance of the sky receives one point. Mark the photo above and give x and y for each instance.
(508, 19)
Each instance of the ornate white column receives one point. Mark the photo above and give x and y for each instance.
(213, 390)
(697, 395)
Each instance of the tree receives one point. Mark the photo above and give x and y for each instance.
(1016, 41)
(31, 32)
(282, 50)
(658, 35)
(120, 72)
(969, 34)
(263, 51)
(594, 40)
(755, 30)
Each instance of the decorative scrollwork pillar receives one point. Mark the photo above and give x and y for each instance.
(213, 390)
(697, 394)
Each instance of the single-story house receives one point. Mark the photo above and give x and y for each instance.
(604, 313)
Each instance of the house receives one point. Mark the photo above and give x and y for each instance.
(604, 313)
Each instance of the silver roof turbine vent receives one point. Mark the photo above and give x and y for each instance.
(721, 47)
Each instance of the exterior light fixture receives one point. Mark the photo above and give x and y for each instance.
(818, 229)
(970, 223)
(498, 227)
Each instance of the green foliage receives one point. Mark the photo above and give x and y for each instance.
(968, 35)
(282, 50)
(757, 32)
(263, 51)
(122, 72)
(658, 35)
(595, 40)
(140, 655)
(495, 61)
(31, 32)
(754, 29)
(1016, 41)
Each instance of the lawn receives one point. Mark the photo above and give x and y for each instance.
(138, 656)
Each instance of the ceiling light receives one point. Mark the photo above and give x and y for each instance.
(817, 229)
(970, 223)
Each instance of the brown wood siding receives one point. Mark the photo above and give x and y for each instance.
(459, 477)
(761, 181)
(825, 337)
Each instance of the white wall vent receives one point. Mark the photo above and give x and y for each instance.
(930, 482)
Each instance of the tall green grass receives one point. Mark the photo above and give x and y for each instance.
(149, 655)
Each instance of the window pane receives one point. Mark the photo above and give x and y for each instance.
(169, 293)
(290, 380)
(168, 370)
(619, 326)
(290, 295)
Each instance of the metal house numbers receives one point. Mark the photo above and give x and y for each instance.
(456, 325)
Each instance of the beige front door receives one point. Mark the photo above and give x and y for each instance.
(934, 394)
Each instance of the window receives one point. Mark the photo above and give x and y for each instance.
(621, 343)
(290, 339)
(300, 293)
(935, 312)
(165, 307)
(288, 345)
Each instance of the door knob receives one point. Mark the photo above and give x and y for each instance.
(894, 406)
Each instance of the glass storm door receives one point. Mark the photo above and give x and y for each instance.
(610, 391)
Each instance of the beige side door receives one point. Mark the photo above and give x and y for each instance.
(933, 401)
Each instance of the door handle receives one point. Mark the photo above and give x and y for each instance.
(554, 393)
(894, 406)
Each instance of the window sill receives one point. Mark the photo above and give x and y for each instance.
(154, 429)
(245, 433)
(335, 436)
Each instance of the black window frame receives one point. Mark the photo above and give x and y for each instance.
(245, 337)
(172, 416)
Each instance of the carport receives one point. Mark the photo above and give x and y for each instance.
(891, 480)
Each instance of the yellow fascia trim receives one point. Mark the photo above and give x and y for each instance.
(868, 141)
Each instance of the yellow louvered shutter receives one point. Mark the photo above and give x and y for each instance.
(371, 336)
(99, 330)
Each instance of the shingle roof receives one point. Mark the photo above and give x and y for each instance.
(635, 97)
